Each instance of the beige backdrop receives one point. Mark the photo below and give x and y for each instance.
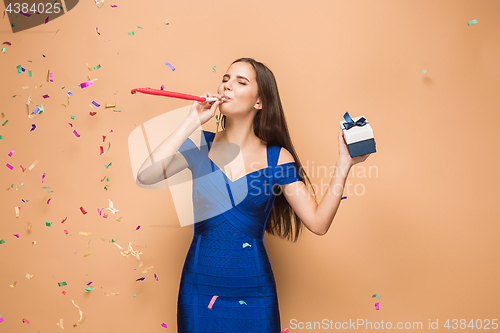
(421, 231)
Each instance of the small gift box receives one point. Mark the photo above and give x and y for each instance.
(358, 135)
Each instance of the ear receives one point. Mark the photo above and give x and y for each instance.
(258, 104)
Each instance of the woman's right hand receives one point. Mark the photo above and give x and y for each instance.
(201, 112)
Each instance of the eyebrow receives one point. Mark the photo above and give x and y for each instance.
(238, 76)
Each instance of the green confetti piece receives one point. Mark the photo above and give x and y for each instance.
(14, 24)
(243, 302)
(73, 117)
(19, 70)
(474, 21)
(4, 49)
(62, 284)
(5, 122)
(378, 296)
(139, 27)
(68, 235)
(135, 295)
(29, 60)
(246, 244)
(423, 70)
(2, 241)
(46, 187)
(98, 66)
(105, 187)
(131, 33)
(89, 289)
(48, 224)
(1, 137)
(63, 87)
(117, 110)
(112, 240)
(29, 73)
(50, 191)
(107, 166)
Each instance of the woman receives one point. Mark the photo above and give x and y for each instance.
(227, 265)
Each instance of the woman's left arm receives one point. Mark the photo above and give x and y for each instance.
(318, 218)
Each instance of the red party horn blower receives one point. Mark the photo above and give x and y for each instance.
(174, 94)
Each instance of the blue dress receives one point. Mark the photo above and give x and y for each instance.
(227, 257)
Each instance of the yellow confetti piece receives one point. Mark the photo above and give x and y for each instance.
(81, 320)
(17, 212)
(87, 254)
(111, 209)
(13, 285)
(146, 270)
(119, 219)
(60, 323)
(131, 252)
(19, 187)
(33, 243)
(111, 294)
(37, 87)
(29, 276)
(25, 87)
(33, 165)
(85, 233)
(110, 105)
(29, 225)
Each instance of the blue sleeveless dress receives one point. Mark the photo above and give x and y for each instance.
(227, 257)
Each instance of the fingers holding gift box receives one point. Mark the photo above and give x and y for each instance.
(358, 135)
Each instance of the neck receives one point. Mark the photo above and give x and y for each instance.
(240, 132)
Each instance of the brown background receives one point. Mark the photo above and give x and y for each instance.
(423, 234)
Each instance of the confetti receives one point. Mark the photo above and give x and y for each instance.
(78, 135)
(131, 33)
(156, 278)
(376, 306)
(246, 244)
(140, 279)
(164, 325)
(48, 224)
(43, 176)
(93, 102)
(60, 323)
(212, 302)
(11, 152)
(83, 210)
(86, 84)
(423, 70)
(137, 227)
(378, 296)
(13, 285)
(29, 276)
(110, 105)
(89, 289)
(33, 165)
(9, 166)
(97, 31)
(62, 284)
(172, 67)
(2, 241)
(80, 321)
(26, 321)
(214, 68)
(472, 22)
(285, 330)
(85, 233)
(17, 235)
(243, 302)
(343, 198)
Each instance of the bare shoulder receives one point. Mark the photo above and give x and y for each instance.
(285, 156)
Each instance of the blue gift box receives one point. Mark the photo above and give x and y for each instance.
(358, 135)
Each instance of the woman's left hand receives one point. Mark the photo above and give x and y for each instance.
(344, 158)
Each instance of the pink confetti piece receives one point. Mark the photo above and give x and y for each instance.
(97, 31)
(26, 321)
(70, 124)
(6, 42)
(103, 138)
(162, 325)
(162, 86)
(117, 6)
(1, 319)
(105, 214)
(48, 201)
(43, 176)
(64, 293)
(285, 330)
(212, 301)
(86, 84)
(376, 306)
(51, 77)
(66, 231)
(9, 166)
(137, 227)
(25, 14)
(83, 210)
(17, 235)
(11, 152)
(78, 135)
(93, 113)
(64, 220)
(156, 278)
(46, 96)
(46, 21)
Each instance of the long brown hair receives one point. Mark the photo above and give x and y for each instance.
(270, 126)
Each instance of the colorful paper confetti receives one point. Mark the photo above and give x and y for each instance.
(474, 21)
(172, 67)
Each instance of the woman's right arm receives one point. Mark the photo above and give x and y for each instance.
(152, 168)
